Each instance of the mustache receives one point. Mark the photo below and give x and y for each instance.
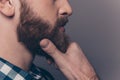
(62, 22)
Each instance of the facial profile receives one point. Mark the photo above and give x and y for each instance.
(32, 29)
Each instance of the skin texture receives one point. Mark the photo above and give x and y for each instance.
(72, 62)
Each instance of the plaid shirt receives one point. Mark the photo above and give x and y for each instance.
(9, 71)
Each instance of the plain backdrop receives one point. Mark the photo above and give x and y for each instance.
(95, 25)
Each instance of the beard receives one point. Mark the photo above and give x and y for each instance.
(32, 29)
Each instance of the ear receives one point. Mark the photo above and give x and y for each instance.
(7, 8)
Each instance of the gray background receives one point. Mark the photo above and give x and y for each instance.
(95, 25)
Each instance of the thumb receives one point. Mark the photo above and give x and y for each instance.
(50, 48)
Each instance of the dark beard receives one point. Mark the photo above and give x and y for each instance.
(32, 30)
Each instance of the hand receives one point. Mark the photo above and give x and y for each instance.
(73, 63)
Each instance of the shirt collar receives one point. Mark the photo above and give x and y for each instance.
(14, 72)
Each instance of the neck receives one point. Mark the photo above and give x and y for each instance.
(14, 51)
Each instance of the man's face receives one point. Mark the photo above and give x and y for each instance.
(41, 19)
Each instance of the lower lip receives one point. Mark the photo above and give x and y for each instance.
(62, 29)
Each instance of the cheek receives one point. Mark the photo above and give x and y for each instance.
(49, 15)
(46, 10)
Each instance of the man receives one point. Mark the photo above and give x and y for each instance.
(36, 27)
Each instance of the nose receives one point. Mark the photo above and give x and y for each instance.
(65, 9)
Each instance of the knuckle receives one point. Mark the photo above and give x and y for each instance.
(74, 44)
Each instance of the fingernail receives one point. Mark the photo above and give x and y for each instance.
(44, 43)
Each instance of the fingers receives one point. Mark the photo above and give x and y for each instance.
(73, 47)
(50, 48)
